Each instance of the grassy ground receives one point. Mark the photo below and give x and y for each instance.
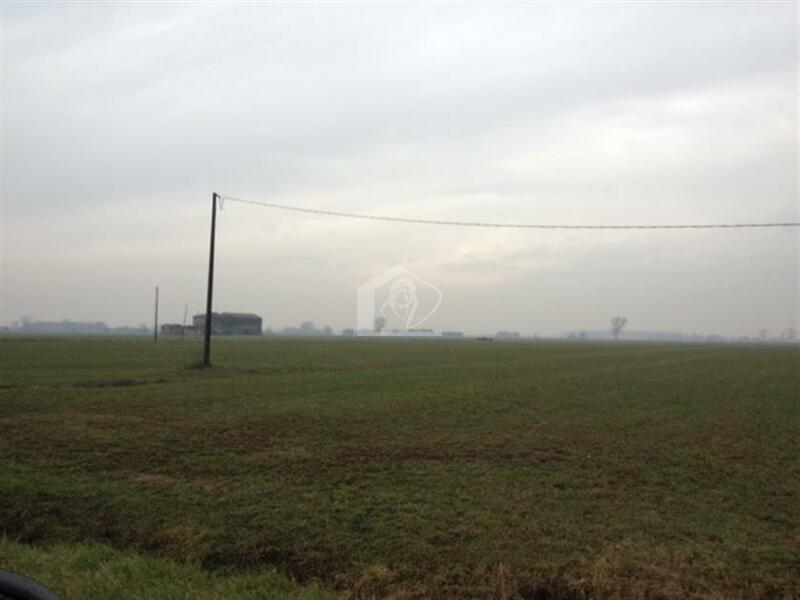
(96, 572)
(413, 468)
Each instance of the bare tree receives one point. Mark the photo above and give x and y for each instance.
(380, 323)
(617, 323)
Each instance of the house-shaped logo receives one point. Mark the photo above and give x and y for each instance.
(396, 302)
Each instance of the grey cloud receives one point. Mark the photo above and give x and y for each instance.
(116, 116)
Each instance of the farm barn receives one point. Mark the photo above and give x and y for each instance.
(229, 323)
(172, 329)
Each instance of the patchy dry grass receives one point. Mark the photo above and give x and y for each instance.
(414, 468)
(97, 572)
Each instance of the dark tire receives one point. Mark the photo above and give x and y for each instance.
(17, 587)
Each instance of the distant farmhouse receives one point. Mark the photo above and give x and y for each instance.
(172, 329)
(229, 323)
(504, 335)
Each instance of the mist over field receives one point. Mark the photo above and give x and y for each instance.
(120, 120)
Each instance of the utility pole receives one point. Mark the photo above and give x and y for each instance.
(207, 344)
(155, 320)
(183, 327)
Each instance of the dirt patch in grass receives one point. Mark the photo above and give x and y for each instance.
(117, 383)
(159, 479)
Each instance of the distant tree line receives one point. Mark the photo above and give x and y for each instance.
(67, 327)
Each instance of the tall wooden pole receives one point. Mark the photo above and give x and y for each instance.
(155, 320)
(183, 326)
(207, 345)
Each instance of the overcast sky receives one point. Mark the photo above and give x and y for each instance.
(119, 120)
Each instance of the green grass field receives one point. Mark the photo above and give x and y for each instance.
(404, 468)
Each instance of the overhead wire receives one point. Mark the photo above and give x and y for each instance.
(347, 215)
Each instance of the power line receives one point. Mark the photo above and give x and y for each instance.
(331, 213)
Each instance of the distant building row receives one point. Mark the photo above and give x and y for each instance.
(221, 324)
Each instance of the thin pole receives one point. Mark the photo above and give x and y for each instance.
(183, 327)
(155, 320)
(207, 345)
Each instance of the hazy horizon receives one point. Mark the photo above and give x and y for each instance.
(120, 120)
